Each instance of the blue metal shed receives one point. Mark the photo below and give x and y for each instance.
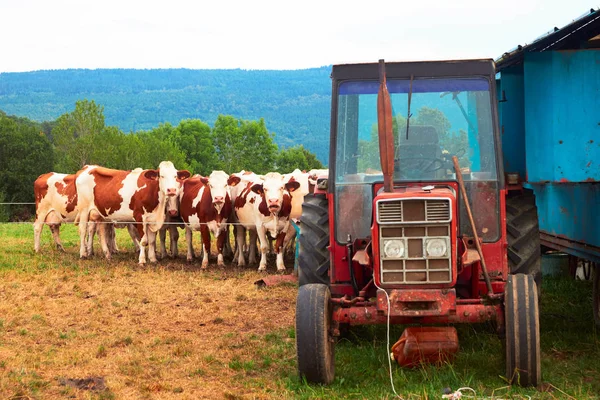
(549, 110)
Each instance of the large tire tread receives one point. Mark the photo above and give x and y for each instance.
(313, 258)
(523, 355)
(523, 234)
(314, 344)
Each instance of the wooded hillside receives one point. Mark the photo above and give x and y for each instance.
(295, 105)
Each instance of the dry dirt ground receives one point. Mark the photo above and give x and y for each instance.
(92, 329)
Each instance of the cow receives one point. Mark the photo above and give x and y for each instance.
(138, 196)
(55, 203)
(265, 206)
(205, 205)
(308, 182)
(247, 179)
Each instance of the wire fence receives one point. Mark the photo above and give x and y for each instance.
(28, 217)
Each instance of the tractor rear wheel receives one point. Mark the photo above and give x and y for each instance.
(523, 358)
(523, 233)
(313, 258)
(596, 293)
(315, 345)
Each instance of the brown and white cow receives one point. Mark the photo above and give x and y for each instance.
(138, 196)
(55, 203)
(265, 207)
(205, 205)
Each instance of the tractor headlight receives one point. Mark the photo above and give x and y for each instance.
(393, 248)
(436, 247)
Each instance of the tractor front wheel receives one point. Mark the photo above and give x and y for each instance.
(314, 344)
(523, 359)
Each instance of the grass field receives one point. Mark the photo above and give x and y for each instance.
(172, 331)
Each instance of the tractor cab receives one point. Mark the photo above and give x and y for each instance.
(414, 224)
(436, 114)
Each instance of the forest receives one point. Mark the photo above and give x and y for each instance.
(294, 104)
(82, 136)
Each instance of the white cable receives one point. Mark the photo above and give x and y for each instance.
(387, 348)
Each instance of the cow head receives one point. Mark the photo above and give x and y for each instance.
(218, 183)
(169, 184)
(273, 188)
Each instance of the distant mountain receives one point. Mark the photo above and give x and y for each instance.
(294, 104)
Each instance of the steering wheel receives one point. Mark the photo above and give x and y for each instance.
(414, 167)
(422, 164)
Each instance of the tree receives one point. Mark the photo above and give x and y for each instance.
(154, 149)
(194, 138)
(25, 153)
(296, 157)
(246, 145)
(74, 135)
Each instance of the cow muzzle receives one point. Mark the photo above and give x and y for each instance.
(171, 192)
(274, 205)
(173, 213)
(218, 200)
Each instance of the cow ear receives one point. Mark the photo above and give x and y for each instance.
(257, 188)
(204, 180)
(183, 175)
(292, 185)
(233, 180)
(151, 174)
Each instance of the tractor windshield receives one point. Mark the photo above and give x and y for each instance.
(448, 116)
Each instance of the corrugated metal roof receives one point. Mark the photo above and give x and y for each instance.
(584, 28)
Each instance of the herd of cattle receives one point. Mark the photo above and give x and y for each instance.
(150, 202)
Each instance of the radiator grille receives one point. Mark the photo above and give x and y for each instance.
(413, 211)
(415, 222)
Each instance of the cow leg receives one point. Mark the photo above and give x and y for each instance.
(162, 236)
(290, 235)
(113, 234)
(37, 234)
(55, 229)
(188, 241)
(91, 232)
(222, 239)
(133, 233)
(240, 239)
(252, 248)
(264, 247)
(104, 235)
(279, 250)
(140, 233)
(205, 236)
(236, 248)
(83, 231)
(151, 245)
(227, 250)
(174, 237)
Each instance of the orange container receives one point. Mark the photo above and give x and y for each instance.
(431, 345)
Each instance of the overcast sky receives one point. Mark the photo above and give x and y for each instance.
(264, 34)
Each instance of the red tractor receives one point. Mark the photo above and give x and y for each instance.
(416, 222)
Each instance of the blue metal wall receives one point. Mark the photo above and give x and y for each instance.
(511, 112)
(570, 212)
(560, 122)
(562, 116)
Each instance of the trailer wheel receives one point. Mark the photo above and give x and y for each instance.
(313, 258)
(596, 293)
(523, 359)
(523, 233)
(315, 345)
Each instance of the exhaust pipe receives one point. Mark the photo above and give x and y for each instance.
(385, 128)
